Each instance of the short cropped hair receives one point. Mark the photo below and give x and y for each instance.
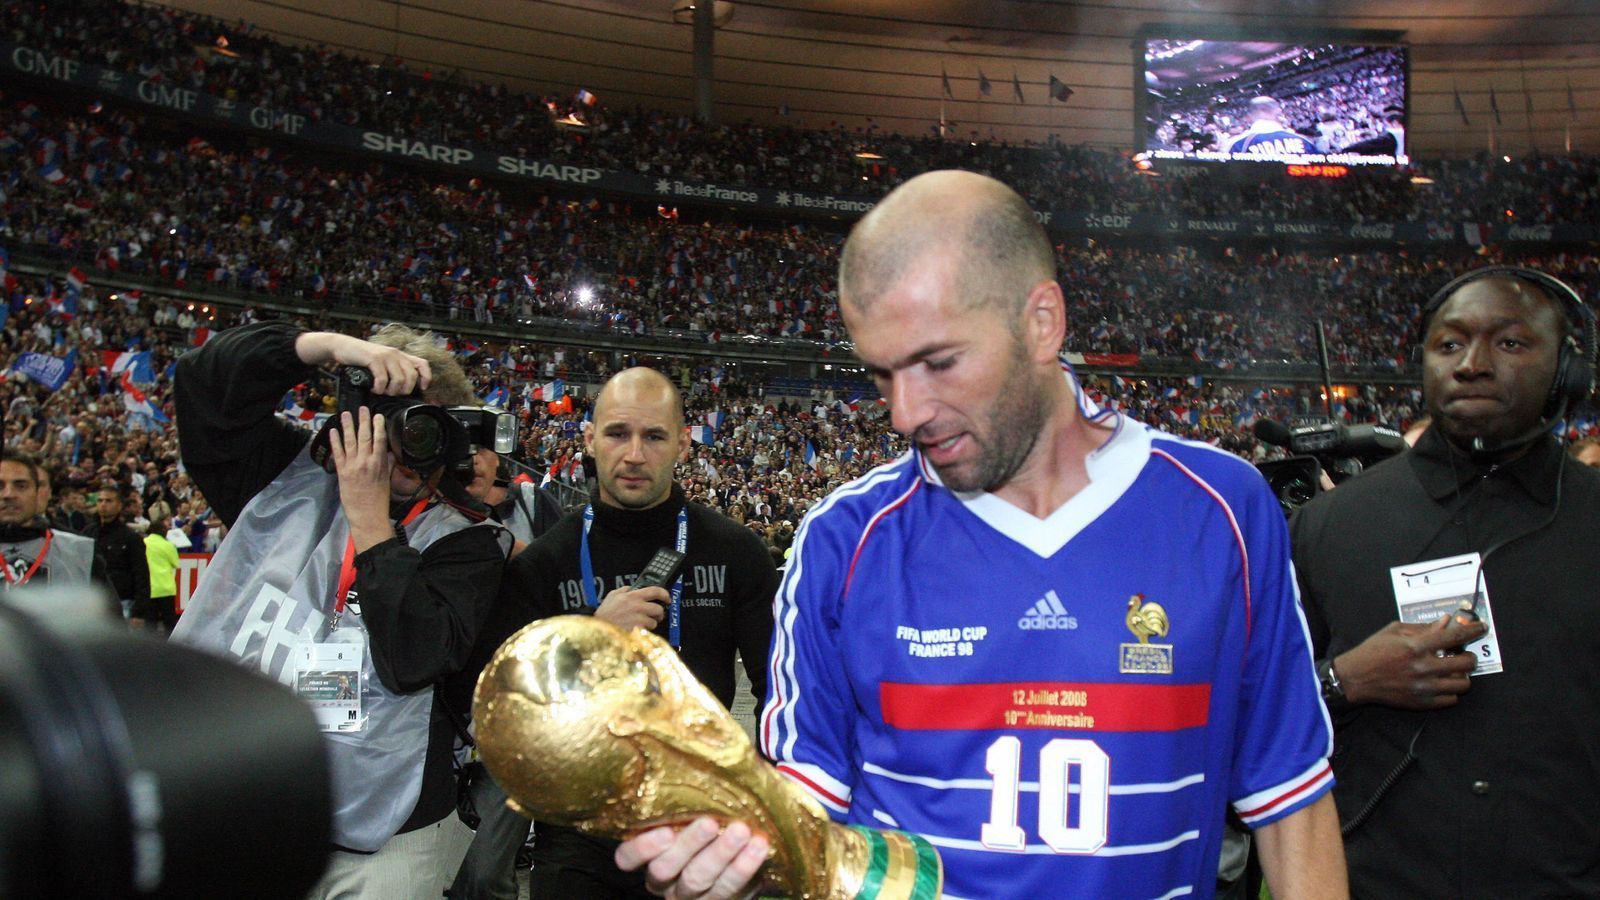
(24, 458)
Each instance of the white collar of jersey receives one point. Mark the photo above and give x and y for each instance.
(1264, 126)
(1112, 470)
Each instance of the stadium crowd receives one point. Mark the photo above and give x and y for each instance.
(115, 195)
(761, 458)
(325, 85)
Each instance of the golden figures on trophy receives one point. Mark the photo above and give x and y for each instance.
(605, 730)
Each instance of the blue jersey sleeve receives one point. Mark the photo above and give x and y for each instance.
(1285, 737)
(805, 726)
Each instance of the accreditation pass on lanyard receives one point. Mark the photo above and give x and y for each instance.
(674, 609)
(328, 673)
(1427, 591)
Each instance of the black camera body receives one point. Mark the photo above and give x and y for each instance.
(424, 437)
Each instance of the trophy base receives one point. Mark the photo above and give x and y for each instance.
(900, 866)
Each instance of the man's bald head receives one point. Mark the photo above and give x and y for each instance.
(641, 387)
(996, 241)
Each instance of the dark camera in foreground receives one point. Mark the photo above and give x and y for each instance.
(137, 768)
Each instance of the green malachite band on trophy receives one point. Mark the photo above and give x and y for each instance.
(877, 864)
(928, 868)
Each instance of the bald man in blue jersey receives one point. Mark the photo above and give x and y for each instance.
(1056, 643)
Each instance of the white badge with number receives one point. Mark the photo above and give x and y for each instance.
(327, 675)
(1428, 591)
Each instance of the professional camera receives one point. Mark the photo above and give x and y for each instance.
(1321, 445)
(423, 437)
(138, 768)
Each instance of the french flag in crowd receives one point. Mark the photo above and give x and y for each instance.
(498, 396)
(811, 456)
(295, 411)
(136, 364)
(137, 403)
(52, 173)
(550, 391)
(65, 303)
(702, 434)
(319, 285)
(460, 273)
(715, 419)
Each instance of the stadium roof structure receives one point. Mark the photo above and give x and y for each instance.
(884, 63)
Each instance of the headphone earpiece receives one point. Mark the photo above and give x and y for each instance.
(1574, 376)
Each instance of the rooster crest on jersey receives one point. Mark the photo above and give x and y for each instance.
(1047, 614)
(1146, 620)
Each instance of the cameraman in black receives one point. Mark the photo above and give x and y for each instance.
(1468, 761)
(587, 563)
(373, 571)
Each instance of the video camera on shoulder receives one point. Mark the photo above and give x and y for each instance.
(423, 436)
(1321, 445)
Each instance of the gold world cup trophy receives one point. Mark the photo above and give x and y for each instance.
(605, 730)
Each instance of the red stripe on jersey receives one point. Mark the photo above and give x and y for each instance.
(867, 532)
(1238, 536)
(815, 788)
(1055, 705)
(1281, 799)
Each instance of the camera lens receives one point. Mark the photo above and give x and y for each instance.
(420, 437)
(1295, 492)
(135, 767)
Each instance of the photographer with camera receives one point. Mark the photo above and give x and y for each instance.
(1450, 595)
(526, 509)
(354, 558)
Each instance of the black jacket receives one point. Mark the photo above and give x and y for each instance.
(127, 566)
(423, 611)
(1501, 800)
(729, 583)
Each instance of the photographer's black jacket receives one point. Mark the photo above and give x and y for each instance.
(1502, 799)
(423, 611)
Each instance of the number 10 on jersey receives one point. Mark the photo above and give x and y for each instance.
(1058, 759)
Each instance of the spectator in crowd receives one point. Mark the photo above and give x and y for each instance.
(1438, 795)
(161, 612)
(69, 514)
(1586, 451)
(376, 556)
(31, 551)
(123, 551)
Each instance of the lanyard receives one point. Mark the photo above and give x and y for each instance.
(347, 567)
(674, 611)
(13, 580)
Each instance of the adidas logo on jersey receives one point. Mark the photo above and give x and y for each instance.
(1047, 615)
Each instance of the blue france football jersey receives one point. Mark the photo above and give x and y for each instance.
(1066, 706)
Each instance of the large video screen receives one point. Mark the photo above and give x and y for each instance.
(1307, 102)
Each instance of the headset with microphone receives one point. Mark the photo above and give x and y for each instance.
(1574, 375)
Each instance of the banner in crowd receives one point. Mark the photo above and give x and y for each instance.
(190, 567)
(669, 190)
(50, 371)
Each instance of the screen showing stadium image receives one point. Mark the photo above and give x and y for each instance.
(1301, 102)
